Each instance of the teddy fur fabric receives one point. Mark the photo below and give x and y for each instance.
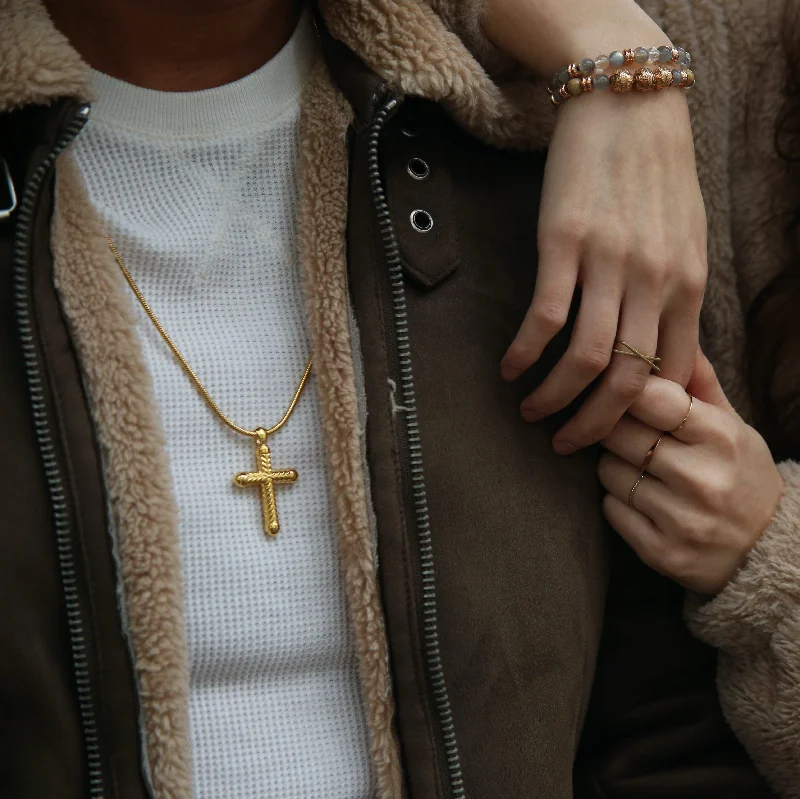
(755, 623)
(465, 19)
(137, 477)
(37, 63)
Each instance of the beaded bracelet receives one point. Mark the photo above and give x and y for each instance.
(643, 80)
(577, 78)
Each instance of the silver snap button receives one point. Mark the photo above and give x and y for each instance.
(421, 221)
(418, 169)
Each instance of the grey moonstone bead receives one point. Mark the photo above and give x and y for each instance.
(677, 77)
(641, 55)
(653, 55)
(587, 66)
(616, 59)
(664, 54)
(684, 59)
(601, 82)
(563, 76)
(555, 84)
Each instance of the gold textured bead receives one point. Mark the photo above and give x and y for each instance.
(629, 55)
(563, 93)
(688, 81)
(574, 70)
(644, 80)
(662, 78)
(675, 56)
(587, 85)
(554, 102)
(621, 81)
(574, 87)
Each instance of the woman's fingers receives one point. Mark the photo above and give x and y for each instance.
(623, 381)
(631, 440)
(555, 285)
(664, 405)
(588, 354)
(650, 497)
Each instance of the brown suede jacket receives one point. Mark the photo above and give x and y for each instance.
(497, 659)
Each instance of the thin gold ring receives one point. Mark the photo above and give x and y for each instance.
(685, 418)
(633, 490)
(650, 453)
(650, 360)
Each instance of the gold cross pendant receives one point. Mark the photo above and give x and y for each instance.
(265, 478)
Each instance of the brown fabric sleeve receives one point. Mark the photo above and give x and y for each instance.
(755, 623)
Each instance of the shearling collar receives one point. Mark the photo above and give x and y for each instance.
(37, 63)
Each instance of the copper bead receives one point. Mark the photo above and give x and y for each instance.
(621, 81)
(662, 78)
(644, 80)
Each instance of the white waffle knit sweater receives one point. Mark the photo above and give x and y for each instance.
(200, 193)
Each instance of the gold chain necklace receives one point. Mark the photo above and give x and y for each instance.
(265, 477)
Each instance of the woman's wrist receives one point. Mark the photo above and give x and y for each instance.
(591, 43)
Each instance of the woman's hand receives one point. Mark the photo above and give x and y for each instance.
(710, 489)
(621, 217)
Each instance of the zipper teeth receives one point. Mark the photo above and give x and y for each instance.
(430, 618)
(52, 469)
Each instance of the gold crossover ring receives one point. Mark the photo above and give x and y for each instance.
(650, 453)
(685, 418)
(633, 490)
(650, 360)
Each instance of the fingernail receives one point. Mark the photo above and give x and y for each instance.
(563, 447)
(530, 415)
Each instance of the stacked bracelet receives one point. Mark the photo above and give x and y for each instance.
(588, 75)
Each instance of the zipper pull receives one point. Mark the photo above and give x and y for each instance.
(5, 212)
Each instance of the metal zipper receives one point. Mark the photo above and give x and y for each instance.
(50, 462)
(431, 647)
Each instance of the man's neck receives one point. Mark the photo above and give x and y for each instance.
(176, 45)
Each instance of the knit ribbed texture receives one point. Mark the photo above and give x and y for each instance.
(199, 191)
